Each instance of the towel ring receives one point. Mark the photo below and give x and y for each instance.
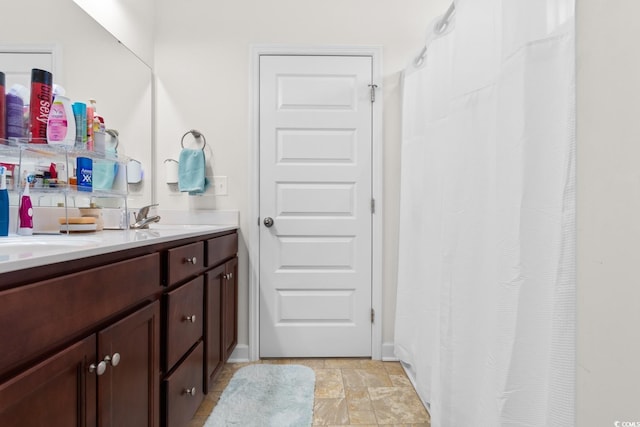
(196, 134)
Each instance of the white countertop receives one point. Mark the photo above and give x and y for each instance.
(21, 252)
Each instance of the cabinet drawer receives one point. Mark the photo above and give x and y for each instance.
(184, 319)
(184, 262)
(183, 390)
(221, 248)
(38, 317)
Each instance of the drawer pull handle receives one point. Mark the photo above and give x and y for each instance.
(192, 260)
(113, 360)
(191, 318)
(98, 369)
(228, 276)
(190, 391)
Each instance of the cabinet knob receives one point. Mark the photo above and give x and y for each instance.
(113, 360)
(228, 276)
(192, 260)
(190, 391)
(98, 369)
(191, 318)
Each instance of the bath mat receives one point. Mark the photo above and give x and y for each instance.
(266, 396)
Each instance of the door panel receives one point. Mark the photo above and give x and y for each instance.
(129, 393)
(57, 392)
(315, 182)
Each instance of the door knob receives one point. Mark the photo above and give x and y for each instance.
(268, 222)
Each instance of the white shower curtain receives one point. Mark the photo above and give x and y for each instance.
(485, 318)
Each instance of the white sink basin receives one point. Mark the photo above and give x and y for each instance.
(40, 244)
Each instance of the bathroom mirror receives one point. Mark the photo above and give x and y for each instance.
(130, 21)
(90, 63)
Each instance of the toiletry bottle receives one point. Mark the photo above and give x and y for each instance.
(89, 145)
(61, 125)
(3, 108)
(15, 111)
(80, 114)
(25, 212)
(4, 203)
(40, 105)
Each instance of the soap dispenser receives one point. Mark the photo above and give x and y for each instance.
(4, 203)
(25, 212)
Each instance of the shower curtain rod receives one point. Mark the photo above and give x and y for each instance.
(442, 25)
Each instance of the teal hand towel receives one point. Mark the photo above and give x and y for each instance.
(191, 171)
(104, 172)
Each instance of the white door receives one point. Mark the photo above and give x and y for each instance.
(316, 190)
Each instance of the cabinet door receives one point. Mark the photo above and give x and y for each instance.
(213, 324)
(128, 392)
(230, 308)
(59, 391)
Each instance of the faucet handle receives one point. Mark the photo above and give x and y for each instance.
(144, 211)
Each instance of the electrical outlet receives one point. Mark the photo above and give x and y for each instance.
(219, 185)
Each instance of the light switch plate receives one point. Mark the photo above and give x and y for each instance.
(219, 185)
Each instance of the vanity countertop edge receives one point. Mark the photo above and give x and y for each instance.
(100, 243)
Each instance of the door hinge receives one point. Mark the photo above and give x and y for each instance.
(373, 206)
(373, 92)
(373, 315)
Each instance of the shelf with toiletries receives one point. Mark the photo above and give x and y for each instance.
(63, 176)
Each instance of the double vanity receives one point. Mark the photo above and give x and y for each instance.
(118, 328)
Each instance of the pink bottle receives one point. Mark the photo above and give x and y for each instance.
(25, 213)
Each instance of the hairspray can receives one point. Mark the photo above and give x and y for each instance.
(3, 108)
(40, 105)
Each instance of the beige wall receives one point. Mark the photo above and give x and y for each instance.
(202, 67)
(608, 167)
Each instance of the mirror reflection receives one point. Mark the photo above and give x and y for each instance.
(89, 63)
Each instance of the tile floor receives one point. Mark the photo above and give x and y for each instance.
(356, 392)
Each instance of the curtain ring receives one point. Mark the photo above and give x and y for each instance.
(197, 135)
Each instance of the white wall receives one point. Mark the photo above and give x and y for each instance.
(202, 68)
(608, 167)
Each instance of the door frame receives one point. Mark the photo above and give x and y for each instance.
(256, 51)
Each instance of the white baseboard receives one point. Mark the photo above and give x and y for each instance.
(240, 354)
(388, 354)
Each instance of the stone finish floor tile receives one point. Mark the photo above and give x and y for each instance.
(366, 378)
(348, 392)
(330, 412)
(397, 405)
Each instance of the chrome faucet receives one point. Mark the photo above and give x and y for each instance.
(142, 221)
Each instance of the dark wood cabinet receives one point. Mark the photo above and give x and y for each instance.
(214, 358)
(57, 392)
(230, 308)
(129, 389)
(221, 302)
(184, 389)
(108, 379)
(191, 352)
(100, 342)
(184, 320)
